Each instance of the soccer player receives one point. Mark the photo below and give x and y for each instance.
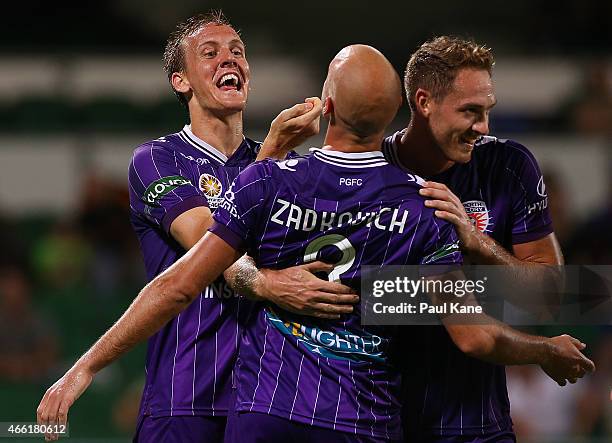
(493, 192)
(175, 183)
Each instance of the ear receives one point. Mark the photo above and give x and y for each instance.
(180, 82)
(423, 102)
(328, 107)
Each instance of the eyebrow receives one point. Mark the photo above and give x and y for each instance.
(478, 105)
(216, 42)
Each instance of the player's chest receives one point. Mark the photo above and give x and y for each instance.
(213, 180)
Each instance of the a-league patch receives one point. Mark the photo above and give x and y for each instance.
(212, 189)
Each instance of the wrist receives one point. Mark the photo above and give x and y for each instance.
(471, 243)
(545, 355)
(85, 366)
(272, 143)
(260, 284)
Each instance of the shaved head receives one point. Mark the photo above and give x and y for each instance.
(362, 92)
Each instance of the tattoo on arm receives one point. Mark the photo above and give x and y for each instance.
(243, 276)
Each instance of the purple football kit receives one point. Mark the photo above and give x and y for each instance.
(190, 360)
(451, 394)
(350, 209)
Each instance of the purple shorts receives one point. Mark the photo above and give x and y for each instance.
(180, 429)
(255, 427)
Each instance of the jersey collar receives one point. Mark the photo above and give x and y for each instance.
(368, 159)
(189, 137)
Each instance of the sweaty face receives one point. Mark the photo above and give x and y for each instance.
(458, 119)
(216, 69)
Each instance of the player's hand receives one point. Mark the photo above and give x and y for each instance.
(448, 207)
(291, 128)
(565, 361)
(54, 406)
(298, 290)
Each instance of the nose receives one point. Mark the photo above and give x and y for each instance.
(481, 126)
(228, 59)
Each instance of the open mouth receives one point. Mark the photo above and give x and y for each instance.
(229, 82)
(468, 141)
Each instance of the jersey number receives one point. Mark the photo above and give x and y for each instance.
(340, 242)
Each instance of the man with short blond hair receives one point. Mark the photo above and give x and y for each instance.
(493, 192)
(175, 184)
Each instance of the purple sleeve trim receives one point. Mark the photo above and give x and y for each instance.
(533, 235)
(179, 208)
(227, 235)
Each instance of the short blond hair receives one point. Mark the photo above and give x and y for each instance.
(434, 65)
(174, 54)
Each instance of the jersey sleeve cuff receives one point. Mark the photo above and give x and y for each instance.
(533, 235)
(227, 235)
(179, 208)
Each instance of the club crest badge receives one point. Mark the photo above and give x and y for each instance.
(478, 212)
(212, 189)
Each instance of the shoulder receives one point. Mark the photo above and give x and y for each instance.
(402, 177)
(256, 171)
(161, 147)
(296, 164)
(505, 150)
(389, 147)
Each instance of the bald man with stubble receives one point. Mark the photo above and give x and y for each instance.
(301, 380)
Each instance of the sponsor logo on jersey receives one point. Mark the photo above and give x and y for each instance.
(219, 289)
(478, 212)
(228, 204)
(541, 189)
(334, 344)
(211, 187)
(288, 165)
(444, 251)
(156, 190)
(199, 161)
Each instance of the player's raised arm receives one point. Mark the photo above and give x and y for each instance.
(161, 300)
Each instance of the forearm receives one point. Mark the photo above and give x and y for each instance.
(149, 312)
(539, 270)
(483, 250)
(500, 344)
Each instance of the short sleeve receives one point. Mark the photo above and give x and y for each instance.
(531, 218)
(239, 214)
(442, 247)
(160, 189)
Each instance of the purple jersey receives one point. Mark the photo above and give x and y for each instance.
(351, 209)
(189, 361)
(503, 191)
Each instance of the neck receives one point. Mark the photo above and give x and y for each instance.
(224, 133)
(419, 152)
(337, 139)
